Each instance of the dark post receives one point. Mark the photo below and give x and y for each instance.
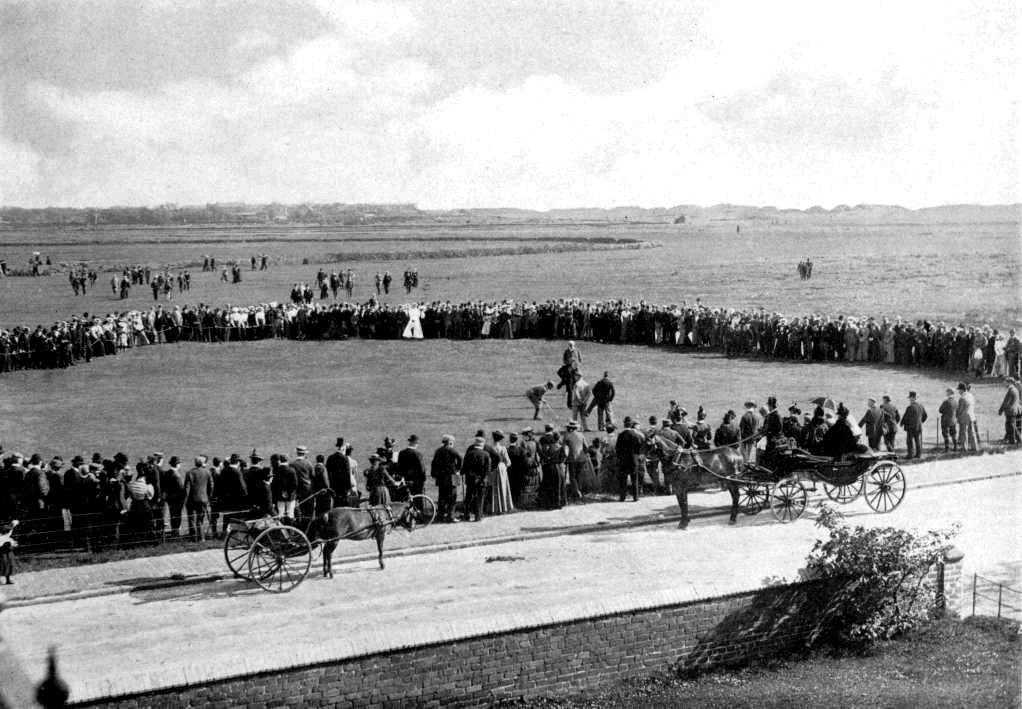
(53, 691)
(974, 578)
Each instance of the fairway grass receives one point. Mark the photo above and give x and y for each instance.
(216, 399)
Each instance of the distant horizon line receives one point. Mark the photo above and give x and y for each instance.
(719, 205)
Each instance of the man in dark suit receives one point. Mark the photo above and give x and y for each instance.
(948, 420)
(198, 491)
(603, 394)
(771, 431)
(628, 448)
(891, 419)
(412, 467)
(476, 469)
(912, 421)
(231, 490)
(872, 424)
(257, 481)
(444, 469)
(283, 486)
(338, 471)
(748, 425)
(1011, 409)
(303, 477)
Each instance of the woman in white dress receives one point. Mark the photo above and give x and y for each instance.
(500, 495)
(413, 330)
(999, 368)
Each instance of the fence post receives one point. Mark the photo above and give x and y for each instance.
(1000, 587)
(974, 577)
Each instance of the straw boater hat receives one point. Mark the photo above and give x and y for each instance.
(571, 425)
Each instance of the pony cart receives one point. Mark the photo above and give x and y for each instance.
(270, 551)
(276, 552)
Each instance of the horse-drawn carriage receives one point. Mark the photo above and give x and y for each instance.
(276, 552)
(875, 476)
(779, 480)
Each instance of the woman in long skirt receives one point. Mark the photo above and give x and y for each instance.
(500, 496)
(554, 456)
(378, 482)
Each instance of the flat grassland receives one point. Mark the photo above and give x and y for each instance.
(217, 399)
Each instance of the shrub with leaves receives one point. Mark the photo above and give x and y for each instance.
(887, 589)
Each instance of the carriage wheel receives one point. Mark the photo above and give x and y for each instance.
(753, 498)
(788, 500)
(884, 486)
(280, 559)
(843, 494)
(426, 508)
(236, 548)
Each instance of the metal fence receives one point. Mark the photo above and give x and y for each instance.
(988, 593)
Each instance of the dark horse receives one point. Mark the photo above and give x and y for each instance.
(688, 469)
(359, 523)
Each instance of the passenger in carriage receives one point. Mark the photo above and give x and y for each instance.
(814, 432)
(791, 426)
(727, 432)
(840, 439)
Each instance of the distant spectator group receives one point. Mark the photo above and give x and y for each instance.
(975, 350)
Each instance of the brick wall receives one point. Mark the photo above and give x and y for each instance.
(547, 659)
(544, 660)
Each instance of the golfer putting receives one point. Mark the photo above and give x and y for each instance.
(537, 397)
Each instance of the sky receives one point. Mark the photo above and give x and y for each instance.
(534, 104)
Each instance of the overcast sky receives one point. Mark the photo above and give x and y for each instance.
(521, 103)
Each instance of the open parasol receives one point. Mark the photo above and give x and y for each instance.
(825, 401)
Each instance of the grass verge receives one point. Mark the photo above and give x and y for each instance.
(974, 662)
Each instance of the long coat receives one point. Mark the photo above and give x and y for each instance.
(1010, 406)
(411, 466)
(913, 418)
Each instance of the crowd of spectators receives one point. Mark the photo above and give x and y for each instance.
(972, 349)
(100, 503)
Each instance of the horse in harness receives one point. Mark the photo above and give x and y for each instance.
(359, 523)
(686, 469)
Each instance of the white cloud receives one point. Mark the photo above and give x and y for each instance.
(322, 66)
(788, 104)
(372, 22)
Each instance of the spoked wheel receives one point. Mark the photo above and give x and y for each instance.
(753, 498)
(843, 494)
(236, 547)
(884, 486)
(280, 559)
(426, 508)
(788, 500)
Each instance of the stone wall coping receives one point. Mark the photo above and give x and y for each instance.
(398, 637)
